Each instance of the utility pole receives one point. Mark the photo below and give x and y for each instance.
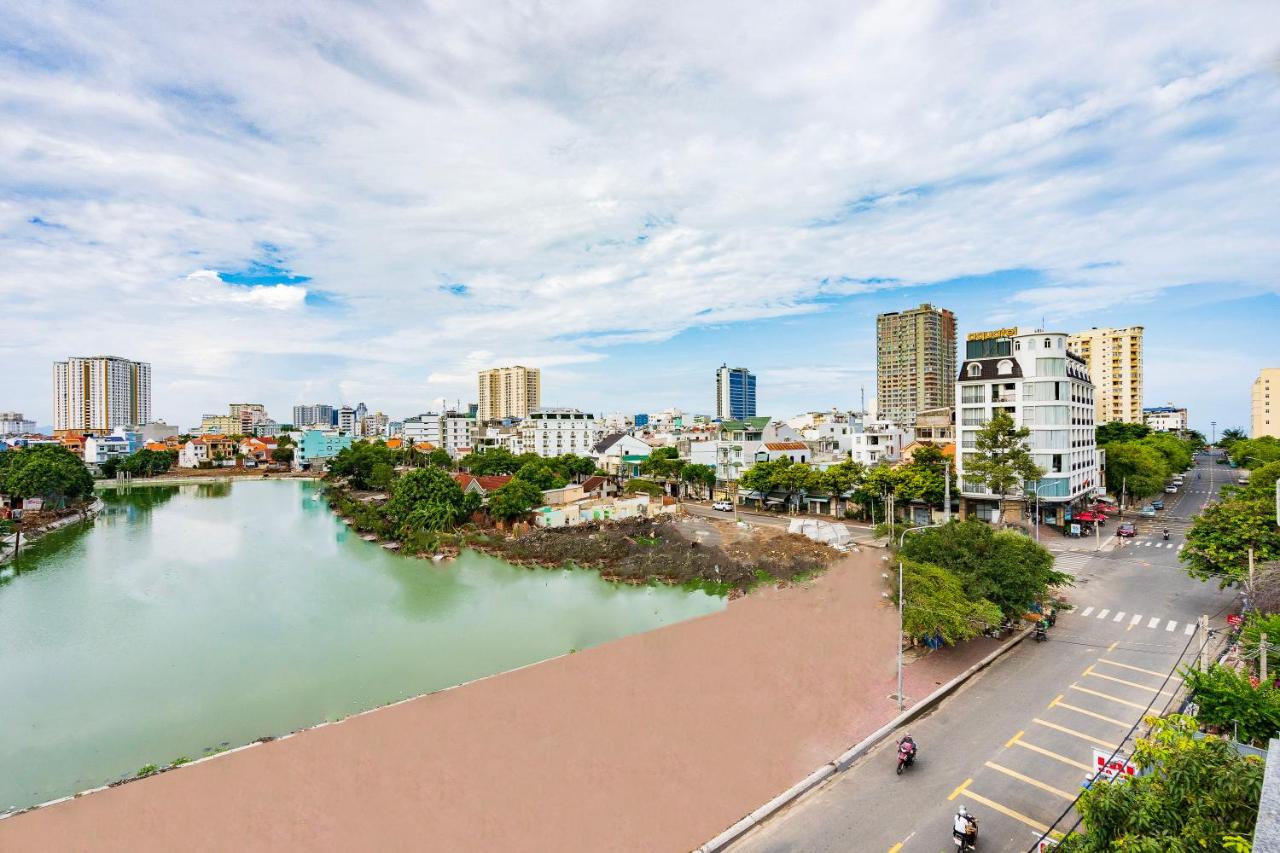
(1204, 643)
(1262, 658)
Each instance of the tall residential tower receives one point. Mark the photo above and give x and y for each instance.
(915, 362)
(735, 393)
(1114, 359)
(1266, 404)
(99, 393)
(509, 392)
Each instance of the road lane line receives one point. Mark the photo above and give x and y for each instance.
(1126, 683)
(1099, 741)
(1005, 810)
(1094, 714)
(1056, 700)
(1011, 741)
(1087, 610)
(1105, 696)
(1118, 616)
(1055, 756)
(960, 789)
(1058, 792)
(1112, 647)
(1156, 673)
(1137, 617)
(1154, 623)
(895, 848)
(1103, 614)
(1171, 625)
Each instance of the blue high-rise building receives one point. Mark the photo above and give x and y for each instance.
(735, 393)
(641, 420)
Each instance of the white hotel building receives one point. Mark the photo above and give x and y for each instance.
(554, 432)
(1044, 387)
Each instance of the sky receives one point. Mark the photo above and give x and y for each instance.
(368, 202)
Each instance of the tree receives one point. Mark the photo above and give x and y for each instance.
(1007, 569)
(381, 476)
(1200, 794)
(485, 463)
(282, 455)
(1135, 468)
(573, 467)
(541, 475)
(47, 471)
(428, 499)
(936, 605)
(703, 477)
(1002, 462)
(647, 487)
(1231, 436)
(1230, 701)
(1118, 431)
(513, 500)
(356, 462)
(1219, 540)
(1176, 452)
(844, 477)
(440, 458)
(1255, 452)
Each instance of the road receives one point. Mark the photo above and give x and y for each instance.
(1015, 744)
(860, 530)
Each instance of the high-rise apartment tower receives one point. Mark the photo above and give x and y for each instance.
(509, 392)
(735, 393)
(1114, 359)
(99, 393)
(1266, 404)
(915, 362)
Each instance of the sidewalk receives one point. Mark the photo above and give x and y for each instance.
(655, 742)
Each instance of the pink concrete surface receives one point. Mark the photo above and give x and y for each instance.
(655, 742)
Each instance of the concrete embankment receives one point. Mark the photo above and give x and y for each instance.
(29, 536)
(655, 742)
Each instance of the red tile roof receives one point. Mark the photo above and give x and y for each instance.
(786, 445)
(488, 483)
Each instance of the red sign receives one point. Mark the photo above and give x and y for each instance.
(1235, 621)
(1111, 769)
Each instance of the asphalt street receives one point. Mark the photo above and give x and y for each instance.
(1015, 744)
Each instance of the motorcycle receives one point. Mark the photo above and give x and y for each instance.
(906, 756)
(966, 843)
(1166, 534)
(1041, 634)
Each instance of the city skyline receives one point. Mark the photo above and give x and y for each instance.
(349, 212)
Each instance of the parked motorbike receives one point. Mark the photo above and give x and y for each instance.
(906, 756)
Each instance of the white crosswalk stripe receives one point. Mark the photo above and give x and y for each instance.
(1118, 616)
(1137, 617)
(1103, 613)
(1154, 623)
(1190, 629)
(1171, 625)
(1087, 611)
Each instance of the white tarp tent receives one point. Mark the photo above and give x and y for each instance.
(826, 532)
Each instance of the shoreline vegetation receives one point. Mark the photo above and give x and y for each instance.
(633, 551)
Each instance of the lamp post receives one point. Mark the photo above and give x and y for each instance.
(901, 541)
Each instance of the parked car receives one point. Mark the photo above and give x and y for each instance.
(1158, 503)
(723, 506)
(1127, 529)
(1147, 511)
(1170, 490)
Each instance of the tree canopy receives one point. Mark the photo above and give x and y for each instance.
(1231, 435)
(542, 475)
(428, 499)
(1121, 431)
(1007, 569)
(514, 500)
(1200, 794)
(1255, 452)
(48, 471)
(485, 463)
(936, 605)
(1134, 468)
(356, 462)
(1219, 539)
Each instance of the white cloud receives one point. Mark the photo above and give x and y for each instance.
(599, 177)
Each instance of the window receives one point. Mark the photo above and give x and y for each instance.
(973, 394)
(975, 370)
(1004, 368)
(1048, 343)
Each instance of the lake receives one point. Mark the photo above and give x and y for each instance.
(191, 618)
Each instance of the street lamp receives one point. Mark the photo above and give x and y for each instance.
(901, 541)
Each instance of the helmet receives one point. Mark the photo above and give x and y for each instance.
(962, 811)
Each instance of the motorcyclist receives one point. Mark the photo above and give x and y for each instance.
(1166, 533)
(908, 746)
(1042, 629)
(965, 827)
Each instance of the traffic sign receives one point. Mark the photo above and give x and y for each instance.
(1235, 620)
(1107, 768)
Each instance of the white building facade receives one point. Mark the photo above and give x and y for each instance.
(555, 432)
(1045, 387)
(1165, 418)
(13, 423)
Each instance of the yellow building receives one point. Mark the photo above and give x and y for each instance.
(509, 392)
(1114, 359)
(1266, 403)
(220, 424)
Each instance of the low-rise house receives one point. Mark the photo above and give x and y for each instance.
(98, 449)
(880, 441)
(613, 452)
(606, 509)
(257, 450)
(74, 442)
(206, 450)
(481, 486)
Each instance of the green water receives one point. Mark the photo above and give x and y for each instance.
(188, 617)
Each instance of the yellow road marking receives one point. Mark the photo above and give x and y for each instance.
(960, 790)
(1056, 700)
(1130, 628)
(1005, 810)
(1112, 647)
(1134, 684)
(1099, 741)
(895, 848)
(1139, 669)
(1055, 756)
(1057, 792)
(1011, 741)
(1060, 704)
(1105, 696)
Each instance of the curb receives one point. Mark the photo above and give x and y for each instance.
(843, 761)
